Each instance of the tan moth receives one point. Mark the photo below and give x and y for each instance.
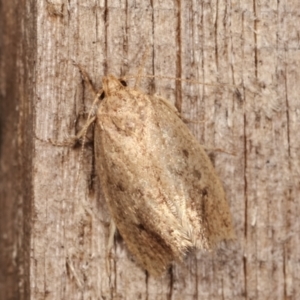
(161, 188)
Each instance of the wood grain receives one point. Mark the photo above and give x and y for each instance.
(54, 229)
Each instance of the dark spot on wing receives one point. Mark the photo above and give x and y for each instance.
(120, 187)
(185, 153)
(102, 96)
(123, 82)
(204, 192)
(141, 227)
(197, 174)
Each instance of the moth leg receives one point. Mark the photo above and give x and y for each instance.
(72, 141)
(86, 126)
(110, 244)
(97, 98)
(73, 273)
(91, 116)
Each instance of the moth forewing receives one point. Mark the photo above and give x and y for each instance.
(161, 188)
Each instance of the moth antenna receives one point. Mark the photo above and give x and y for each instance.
(139, 75)
(84, 130)
(90, 118)
(86, 78)
(192, 81)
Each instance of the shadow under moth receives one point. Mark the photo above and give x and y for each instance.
(160, 186)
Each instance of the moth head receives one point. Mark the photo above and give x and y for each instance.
(111, 84)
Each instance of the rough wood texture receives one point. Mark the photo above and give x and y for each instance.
(17, 53)
(54, 229)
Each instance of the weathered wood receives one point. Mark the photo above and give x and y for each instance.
(54, 228)
(17, 54)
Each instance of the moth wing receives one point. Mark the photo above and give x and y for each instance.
(203, 208)
(160, 186)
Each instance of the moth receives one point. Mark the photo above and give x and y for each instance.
(160, 186)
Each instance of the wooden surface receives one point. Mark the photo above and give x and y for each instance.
(54, 228)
